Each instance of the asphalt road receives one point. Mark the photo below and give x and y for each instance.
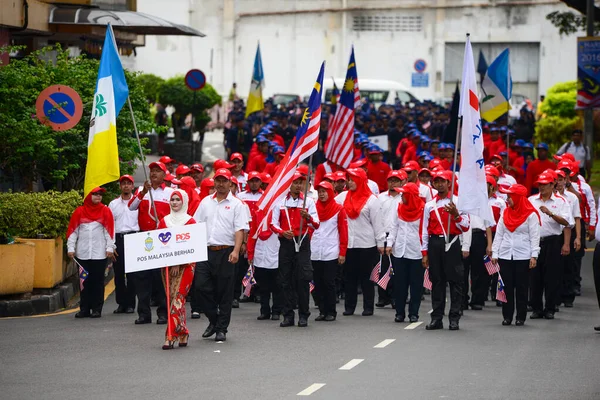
(58, 357)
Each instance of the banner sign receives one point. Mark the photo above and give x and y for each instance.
(588, 72)
(165, 247)
(381, 141)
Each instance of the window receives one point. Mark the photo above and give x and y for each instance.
(387, 23)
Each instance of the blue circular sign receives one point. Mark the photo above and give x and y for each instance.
(420, 65)
(195, 79)
(59, 107)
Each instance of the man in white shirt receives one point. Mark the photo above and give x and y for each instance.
(555, 237)
(126, 222)
(580, 151)
(226, 219)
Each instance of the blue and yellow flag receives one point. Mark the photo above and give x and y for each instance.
(497, 88)
(255, 98)
(111, 93)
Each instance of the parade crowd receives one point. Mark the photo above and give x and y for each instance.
(390, 221)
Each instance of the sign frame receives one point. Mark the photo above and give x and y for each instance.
(46, 96)
(420, 65)
(195, 79)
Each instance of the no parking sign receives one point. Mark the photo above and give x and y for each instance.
(59, 107)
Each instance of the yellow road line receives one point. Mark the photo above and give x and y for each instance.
(108, 289)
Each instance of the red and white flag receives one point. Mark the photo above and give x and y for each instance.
(385, 279)
(426, 281)
(500, 293)
(490, 266)
(376, 271)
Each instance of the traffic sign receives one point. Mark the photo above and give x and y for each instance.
(59, 107)
(420, 80)
(420, 65)
(195, 79)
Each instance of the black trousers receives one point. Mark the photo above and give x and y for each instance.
(579, 256)
(358, 267)
(241, 267)
(546, 277)
(214, 287)
(295, 274)
(146, 284)
(124, 288)
(480, 279)
(596, 270)
(569, 278)
(445, 267)
(194, 297)
(325, 274)
(92, 295)
(388, 293)
(515, 274)
(267, 282)
(408, 274)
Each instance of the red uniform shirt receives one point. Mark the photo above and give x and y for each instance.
(378, 173)
(146, 218)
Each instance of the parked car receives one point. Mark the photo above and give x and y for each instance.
(285, 98)
(377, 90)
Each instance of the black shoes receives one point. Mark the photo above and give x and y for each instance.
(302, 322)
(162, 320)
(506, 322)
(413, 318)
(275, 317)
(476, 307)
(129, 310)
(519, 322)
(287, 322)
(549, 315)
(263, 317)
(235, 303)
(82, 314)
(210, 330)
(597, 328)
(95, 314)
(399, 318)
(382, 303)
(568, 304)
(367, 313)
(453, 326)
(120, 310)
(141, 321)
(195, 315)
(434, 325)
(346, 313)
(536, 315)
(330, 318)
(220, 337)
(321, 317)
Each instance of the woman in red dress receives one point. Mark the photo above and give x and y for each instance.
(180, 276)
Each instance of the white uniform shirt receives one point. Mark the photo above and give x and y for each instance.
(426, 192)
(266, 253)
(476, 223)
(388, 210)
(589, 196)
(363, 232)
(404, 239)
(90, 241)
(223, 219)
(242, 181)
(557, 205)
(373, 186)
(522, 244)
(574, 204)
(325, 242)
(126, 220)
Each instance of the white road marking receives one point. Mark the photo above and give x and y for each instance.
(384, 343)
(217, 351)
(311, 389)
(351, 364)
(414, 325)
(430, 311)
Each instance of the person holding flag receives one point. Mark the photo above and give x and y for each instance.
(90, 243)
(255, 98)
(516, 248)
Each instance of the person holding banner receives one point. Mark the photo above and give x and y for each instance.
(226, 219)
(91, 242)
(406, 252)
(516, 247)
(177, 279)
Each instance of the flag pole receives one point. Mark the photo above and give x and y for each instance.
(458, 135)
(304, 203)
(507, 116)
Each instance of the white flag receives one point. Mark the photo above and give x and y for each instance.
(472, 186)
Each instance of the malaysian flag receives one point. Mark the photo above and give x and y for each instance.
(339, 147)
(83, 274)
(248, 281)
(311, 286)
(376, 271)
(491, 267)
(305, 143)
(385, 279)
(426, 281)
(500, 293)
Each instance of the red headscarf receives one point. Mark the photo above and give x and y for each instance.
(90, 212)
(517, 214)
(356, 199)
(189, 185)
(413, 209)
(205, 186)
(327, 209)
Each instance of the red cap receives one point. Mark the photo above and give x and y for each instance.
(303, 169)
(126, 178)
(189, 181)
(166, 160)
(491, 170)
(551, 173)
(434, 163)
(175, 181)
(169, 177)
(236, 156)
(489, 179)
(565, 164)
(437, 168)
(446, 175)
(197, 167)
(325, 185)
(411, 166)
(574, 169)
(544, 178)
(424, 170)
(408, 188)
(98, 190)
(234, 180)
(566, 156)
(515, 189)
(397, 174)
(222, 173)
(159, 165)
(339, 176)
(220, 164)
(298, 175)
(358, 164)
(265, 178)
(497, 157)
(254, 175)
(328, 176)
(182, 170)
(560, 172)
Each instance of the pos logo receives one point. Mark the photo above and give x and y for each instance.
(182, 237)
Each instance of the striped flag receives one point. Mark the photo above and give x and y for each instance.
(426, 281)
(385, 280)
(311, 286)
(376, 271)
(83, 274)
(490, 266)
(500, 293)
(304, 144)
(248, 281)
(339, 147)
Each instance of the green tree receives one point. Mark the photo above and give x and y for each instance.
(151, 84)
(560, 116)
(29, 149)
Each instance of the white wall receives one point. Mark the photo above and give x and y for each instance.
(294, 45)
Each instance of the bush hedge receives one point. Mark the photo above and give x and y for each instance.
(28, 215)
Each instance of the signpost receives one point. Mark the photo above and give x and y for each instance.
(195, 80)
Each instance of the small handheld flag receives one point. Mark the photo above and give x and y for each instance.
(248, 281)
(500, 293)
(376, 271)
(83, 274)
(385, 280)
(311, 286)
(426, 281)
(490, 266)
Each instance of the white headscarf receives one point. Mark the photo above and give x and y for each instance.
(181, 217)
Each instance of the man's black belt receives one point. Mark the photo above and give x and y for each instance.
(475, 230)
(125, 233)
(543, 239)
(217, 248)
